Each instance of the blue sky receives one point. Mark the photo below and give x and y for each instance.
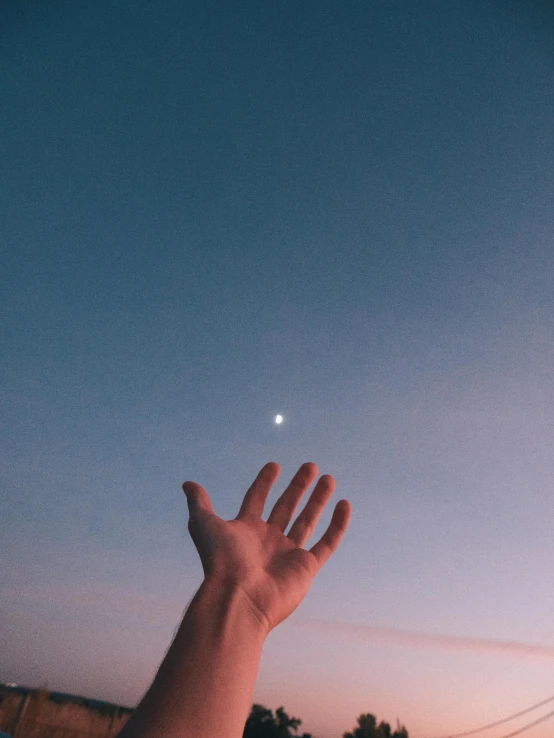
(341, 212)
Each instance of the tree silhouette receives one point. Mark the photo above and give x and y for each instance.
(261, 723)
(368, 728)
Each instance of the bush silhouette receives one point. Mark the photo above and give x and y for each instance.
(368, 728)
(261, 723)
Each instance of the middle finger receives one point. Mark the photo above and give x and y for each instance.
(284, 508)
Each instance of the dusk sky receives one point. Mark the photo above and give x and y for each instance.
(342, 212)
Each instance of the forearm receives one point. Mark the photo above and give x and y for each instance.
(204, 686)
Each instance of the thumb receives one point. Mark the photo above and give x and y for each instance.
(197, 498)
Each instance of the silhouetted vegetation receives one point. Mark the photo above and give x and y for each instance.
(262, 723)
(368, 728)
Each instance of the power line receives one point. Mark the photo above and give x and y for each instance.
(529, 725)
(505, 720)
(548, 616)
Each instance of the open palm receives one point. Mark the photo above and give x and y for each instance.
(270, 568)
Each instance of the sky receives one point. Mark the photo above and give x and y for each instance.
(341, 212)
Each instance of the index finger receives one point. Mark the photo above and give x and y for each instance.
(256, 495)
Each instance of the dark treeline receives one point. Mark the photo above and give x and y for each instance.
(262, 723)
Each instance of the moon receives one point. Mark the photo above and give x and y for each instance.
(278, 419)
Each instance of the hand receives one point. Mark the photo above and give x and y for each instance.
(272, 569)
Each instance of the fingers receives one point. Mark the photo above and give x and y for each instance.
(284, 508)
(330, 540)
(307, 520)
(256, 495)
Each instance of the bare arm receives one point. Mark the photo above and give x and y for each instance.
(207, 677)
(255, 577)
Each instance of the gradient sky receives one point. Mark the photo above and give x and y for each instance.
(338, 211)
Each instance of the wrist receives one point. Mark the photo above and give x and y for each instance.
(231, 602)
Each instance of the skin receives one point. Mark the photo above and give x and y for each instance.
(255, 577)
(272, 569)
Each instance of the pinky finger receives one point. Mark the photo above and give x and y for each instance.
(330, 540)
